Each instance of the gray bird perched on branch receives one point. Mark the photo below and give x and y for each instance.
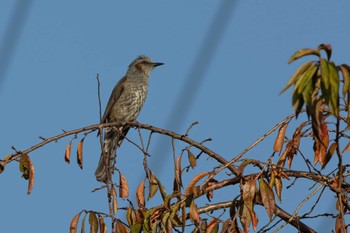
(124, 105)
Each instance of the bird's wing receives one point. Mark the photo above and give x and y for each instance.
(116, 93)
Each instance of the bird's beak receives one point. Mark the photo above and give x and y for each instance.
(157, 64)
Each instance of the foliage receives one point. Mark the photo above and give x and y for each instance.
(320, 85)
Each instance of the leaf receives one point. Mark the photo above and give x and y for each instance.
(248, 192)
(329, 155)
(153, 186)
(114, 200)
(195, 179)
(245, 217)
(192, 159)
(123, 187)
(345, 70)
(327, 48)
(80, 154)
(83, 224)
(254, 218)
(321, 144)
(67, 152)
(334, 89)
(103, 226)
(213, 226)
(245, 163)
(277, 147)
(340, 226)
(178, 178)
(278, 187)
(93, 222)
(303, 52)
(347, 147)
(161, 188)
(297, 74)
(140, 195)
(27, 168)
(120, 227)
(194, 215)
(267, 198)
(74, 223)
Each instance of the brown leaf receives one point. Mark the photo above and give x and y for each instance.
(123, 187)
(329, 155)
(278, 187)
(120, 227)
(340, 226)
(178, 173)
(346, 148)
(67, 153)
(327, 48)
(194, 215)
(114, 200)
(197, 178)
(140, 195)
(254, 218)
(130, 216)
(192, 159)
(267, 198)
(153, 186)
(103, 226)
(93, 222)
(213, 226)
(74, 223)
(248, 192)
(161, 188)
(27, 168)
(280, 138)
(321, 144)
(80, 154)
(245, 163)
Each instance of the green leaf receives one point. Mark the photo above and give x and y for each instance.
(334, 89)
(297, 74)
(345, 70)
(303, 52)
(135, 228)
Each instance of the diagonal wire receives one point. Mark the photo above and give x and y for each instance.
(194, 78)
(12, 35)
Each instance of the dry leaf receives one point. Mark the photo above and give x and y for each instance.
(93, 222)
(280, 138)
(197, 178)
(278, 187)
(74, 223)
(80, 154)
(140, 195)
(267, 198)
(67, 153)
(192, 159)
(347, 148)
(248, 192)
(27, 169)
(245, 217)
(194, 215)
(178, 178)
(213, 226)
(153, 186)
(103, 226)
(123, 186)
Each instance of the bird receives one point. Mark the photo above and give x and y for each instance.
(124, 105)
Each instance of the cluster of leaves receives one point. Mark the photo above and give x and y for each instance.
(319, 85)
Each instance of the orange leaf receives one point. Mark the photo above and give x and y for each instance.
(103, 226)
(194, 216)
(80, 154)
(140, 195)
(67, 153)
(280, 138)
(123, 186)
(74, 223)
(267, 197)
(213, 226)
(347, 147)
(197, 178)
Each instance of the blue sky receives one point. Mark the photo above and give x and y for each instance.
(236, 52)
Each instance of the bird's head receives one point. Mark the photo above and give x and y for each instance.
(144, 65)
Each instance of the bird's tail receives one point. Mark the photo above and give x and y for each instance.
(108, 156)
